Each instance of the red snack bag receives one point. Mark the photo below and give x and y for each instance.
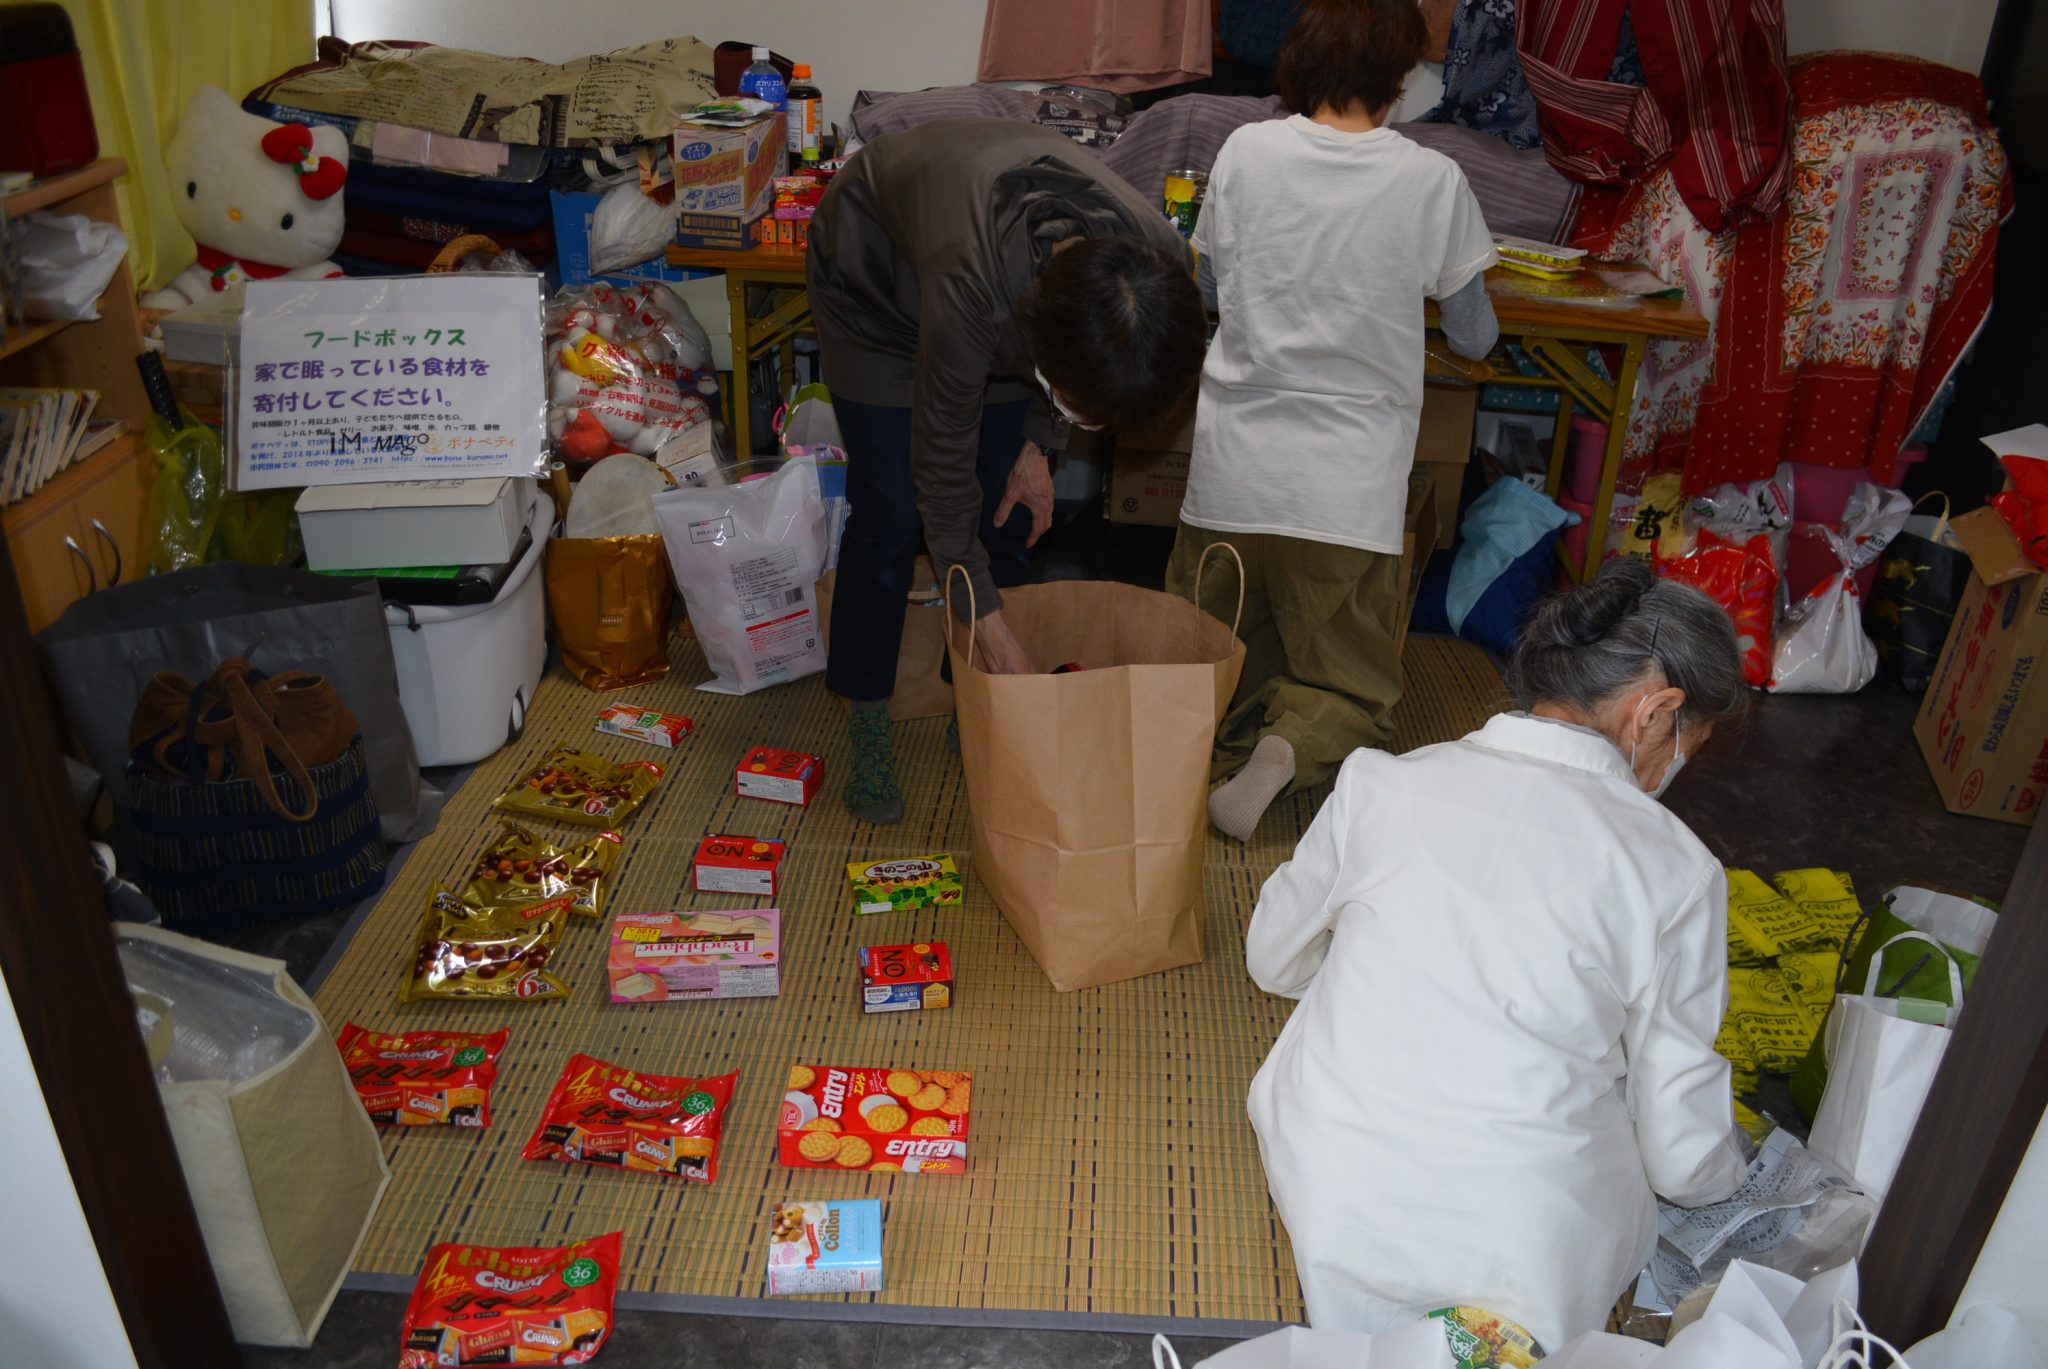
(1742, 579)
(600, 1114)
(515, 1304)
(423, 1078)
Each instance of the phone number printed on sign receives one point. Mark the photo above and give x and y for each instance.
(346, 381)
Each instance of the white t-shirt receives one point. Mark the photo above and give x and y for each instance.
(1324, 245)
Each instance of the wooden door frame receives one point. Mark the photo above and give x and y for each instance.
(1980, 1117)
(78, 1022)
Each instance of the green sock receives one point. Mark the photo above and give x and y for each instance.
(870, 792)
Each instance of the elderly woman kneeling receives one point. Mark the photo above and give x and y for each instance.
(1511, 961)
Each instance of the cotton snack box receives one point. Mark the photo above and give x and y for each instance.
(747, 556)
(828, 1247)
(841, 1117)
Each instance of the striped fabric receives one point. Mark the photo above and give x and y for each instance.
(1714, 104)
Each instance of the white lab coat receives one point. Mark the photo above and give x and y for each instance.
(1512, 965)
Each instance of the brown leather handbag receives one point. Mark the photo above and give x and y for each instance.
(241, 724)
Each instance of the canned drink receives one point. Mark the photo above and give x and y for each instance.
(1185, 190)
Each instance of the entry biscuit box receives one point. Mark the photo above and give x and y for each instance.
(737, 865)
(828, 1247)
(891, 886)
(880, 1120)
(779, 776)
(644, 725)
(662, 957)
(906, 978)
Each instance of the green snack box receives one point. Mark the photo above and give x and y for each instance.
(890, 886)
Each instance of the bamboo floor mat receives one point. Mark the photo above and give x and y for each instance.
(1114, 1180)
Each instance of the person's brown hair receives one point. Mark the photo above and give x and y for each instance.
(1344, 50)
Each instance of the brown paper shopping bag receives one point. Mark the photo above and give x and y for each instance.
(1089, 789)
(921, 692)
(609, 598)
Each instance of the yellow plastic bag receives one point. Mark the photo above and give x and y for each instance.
(1771, 1016)
(1826, 896)
(1763, 923)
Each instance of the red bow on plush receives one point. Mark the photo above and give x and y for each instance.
(292, 144)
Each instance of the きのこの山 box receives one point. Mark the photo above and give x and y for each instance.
(729, 172)
(891, 886)
(828, 1247)
(904, 978)
(778, 776)
(644, 725)
(908, 1121)
(663, 957)
(738, 865)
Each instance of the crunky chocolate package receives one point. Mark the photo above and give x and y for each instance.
(880, 1120)
(602, 1114)
(468, 949)
(477, 1304)
(664, 957)
(423, 1078)
(520, 867)
(580, 787)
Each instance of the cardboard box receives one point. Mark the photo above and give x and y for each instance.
(1146, 487)
(1418, 541)
(729, 172)
(894, 886)
(720, 233)
(738, 865)
(778, 776)
(906, 978)
(1983, 725)
(663, 957)
(828, 1247)
(1443, 443)
(848, 1118)
(644, 725)
(412, 523)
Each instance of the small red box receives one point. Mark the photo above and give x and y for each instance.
(779, 776)
(738, 865)
(906, 978)
(892, 1120)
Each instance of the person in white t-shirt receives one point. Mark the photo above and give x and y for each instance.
(1323, 234)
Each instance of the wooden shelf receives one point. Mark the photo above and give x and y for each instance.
(65, 484)
(30, 333)
(42, 194)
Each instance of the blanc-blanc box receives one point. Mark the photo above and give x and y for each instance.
(828, 1247)
(663, 957)
(403, 523)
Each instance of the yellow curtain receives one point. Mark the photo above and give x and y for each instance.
(143, 60)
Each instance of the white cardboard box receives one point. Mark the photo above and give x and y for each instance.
(404, 523)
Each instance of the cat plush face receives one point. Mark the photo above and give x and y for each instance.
(257, 190)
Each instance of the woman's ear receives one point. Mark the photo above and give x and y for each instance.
(1654, 715)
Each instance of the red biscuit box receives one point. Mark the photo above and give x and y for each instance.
(884, 1120)
(779, 776)
(737, 865)
(906, 978)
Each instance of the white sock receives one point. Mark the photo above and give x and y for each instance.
(1238, 805)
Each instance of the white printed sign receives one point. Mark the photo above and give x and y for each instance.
(396, 378)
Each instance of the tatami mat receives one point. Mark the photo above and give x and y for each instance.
(1113, 1175)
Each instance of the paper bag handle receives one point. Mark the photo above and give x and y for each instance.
(1941, 523)
(973, 610)
(1955, 973)
(1201, 564)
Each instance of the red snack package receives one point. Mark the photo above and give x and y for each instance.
(423, 1078)
(1742, 579)
(600, 1114)
(2025, 506)
(515, 1304)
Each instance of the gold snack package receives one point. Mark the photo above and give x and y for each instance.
(469, 949)
(520, 867)
(580, 787)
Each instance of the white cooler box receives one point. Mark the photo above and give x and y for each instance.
(467, 674)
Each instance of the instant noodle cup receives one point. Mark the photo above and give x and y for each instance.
(577, 786)
(476, 1304)
(423, 1078)
(520, 867)
(1486, 1340)
(486, 950)
(601, 1114)
(884, 1120)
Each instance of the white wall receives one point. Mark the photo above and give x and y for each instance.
(2012, 1269)
(867, 44)
(55, 1306)
(1953, 32)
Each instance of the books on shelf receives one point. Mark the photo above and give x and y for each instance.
(42, 431)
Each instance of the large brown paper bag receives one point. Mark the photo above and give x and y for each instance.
(1089, 789)
(610, 598)
(921, 692)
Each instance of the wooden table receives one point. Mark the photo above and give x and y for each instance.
(1554, 334)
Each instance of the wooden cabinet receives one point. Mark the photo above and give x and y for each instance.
(82, 531)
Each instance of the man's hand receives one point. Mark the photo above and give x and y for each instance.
(1030, 484)
(1000, 653)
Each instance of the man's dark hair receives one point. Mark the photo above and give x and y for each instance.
(1115, 325)
(1344, 50)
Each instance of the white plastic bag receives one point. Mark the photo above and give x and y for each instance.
(67, 261)
(627, 228)
(1985, 1337)
(1757, 1319)
(747, 556)
(1823, 649)
(1418, 1345)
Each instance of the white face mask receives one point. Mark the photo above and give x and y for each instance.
(1671, 767)
(1059, 404)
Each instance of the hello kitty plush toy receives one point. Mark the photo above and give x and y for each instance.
(261, 199)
